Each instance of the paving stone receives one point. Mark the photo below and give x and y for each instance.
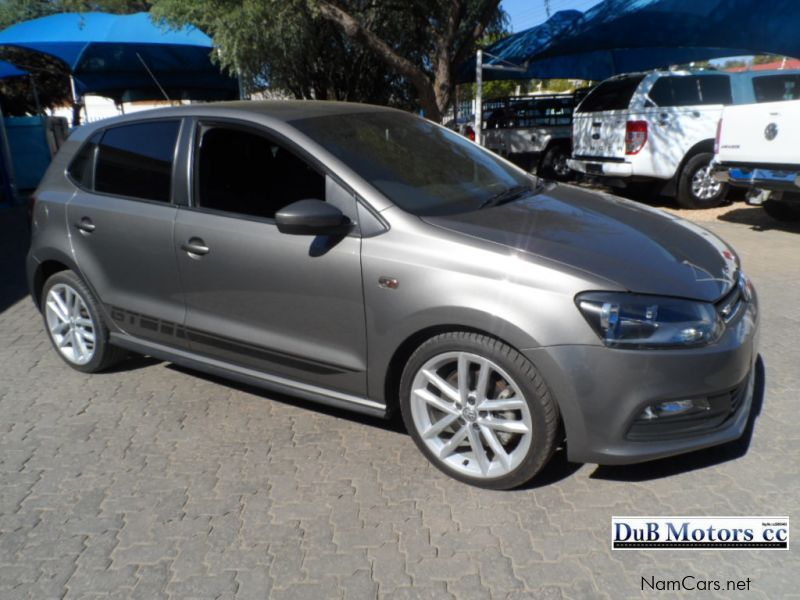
(151, 481)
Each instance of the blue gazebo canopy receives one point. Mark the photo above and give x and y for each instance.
(9, 70)
(119, 56)
(622, 36)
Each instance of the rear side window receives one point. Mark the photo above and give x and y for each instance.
(614, 94)
(136, 160)
(775, 88)
(81, 169)
(691, 90)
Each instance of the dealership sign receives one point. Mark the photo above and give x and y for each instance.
(695, 533)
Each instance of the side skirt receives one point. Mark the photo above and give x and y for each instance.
(250, 376)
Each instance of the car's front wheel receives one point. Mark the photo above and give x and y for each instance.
(478, 410)
(74, 325)
(785, 209)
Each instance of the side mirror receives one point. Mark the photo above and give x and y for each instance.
(312, 217)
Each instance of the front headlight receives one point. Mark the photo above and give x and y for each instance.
(625, 320)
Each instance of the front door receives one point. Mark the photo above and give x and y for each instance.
(121, 221)
(287, 305)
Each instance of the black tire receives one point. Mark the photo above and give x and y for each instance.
(687, 195)
(554, 163)
(544, 415)
(782, 210)
(104, 354)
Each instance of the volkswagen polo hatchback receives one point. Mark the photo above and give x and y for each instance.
(368, 259)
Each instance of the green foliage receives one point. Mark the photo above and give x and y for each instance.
(762, 59)
(733, 64)
(287, 46)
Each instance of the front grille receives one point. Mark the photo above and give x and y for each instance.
(732, 302)
(723, 407)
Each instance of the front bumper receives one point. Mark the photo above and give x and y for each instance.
(601, 168)
(601, 391)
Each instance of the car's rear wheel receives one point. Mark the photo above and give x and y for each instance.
(783, 209)
(554, 163)
(696, 187)
(478, 410)
(74, 325)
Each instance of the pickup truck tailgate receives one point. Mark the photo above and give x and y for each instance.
(599, 135)
(764, 133)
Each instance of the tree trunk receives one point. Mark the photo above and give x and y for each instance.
(428, 97)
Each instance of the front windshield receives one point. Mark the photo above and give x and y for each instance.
(424, 169)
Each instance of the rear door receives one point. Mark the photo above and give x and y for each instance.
(681, 111)
(121, 221)
(598, 130)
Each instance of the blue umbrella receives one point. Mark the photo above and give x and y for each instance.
(126, 56)
(8, 70)
(626, 27)
(547, 51)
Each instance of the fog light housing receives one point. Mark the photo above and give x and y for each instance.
(674, 408)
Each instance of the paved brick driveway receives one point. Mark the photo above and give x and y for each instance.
(154, 482)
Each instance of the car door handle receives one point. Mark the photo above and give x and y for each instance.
(195, 246)
(85, 225)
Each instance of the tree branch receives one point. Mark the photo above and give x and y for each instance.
(480, 26)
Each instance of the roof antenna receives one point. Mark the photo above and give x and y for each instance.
(153, 77)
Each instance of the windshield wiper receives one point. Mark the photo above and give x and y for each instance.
(505, 196)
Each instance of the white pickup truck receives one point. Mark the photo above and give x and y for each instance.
(757, 148)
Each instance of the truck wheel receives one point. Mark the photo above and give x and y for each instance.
(554, 164)
(783, 210)
(696, 187)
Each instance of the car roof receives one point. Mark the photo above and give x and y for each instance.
(276, 110)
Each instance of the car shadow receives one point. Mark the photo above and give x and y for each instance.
(759, 220)
(701, 459)
(14, 243)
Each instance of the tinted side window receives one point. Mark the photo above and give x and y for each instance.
(691, 91)
(246, 173)
(775, 88)
(715, 89)
(614, 94)
(136, 160)
(81, 169)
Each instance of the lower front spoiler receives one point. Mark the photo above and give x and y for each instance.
(631, 452)
(601, 392)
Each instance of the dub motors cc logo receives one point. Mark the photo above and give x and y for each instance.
(771, 131)
(693, 533)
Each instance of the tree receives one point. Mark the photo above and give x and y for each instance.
(447, 30)
(287, 45)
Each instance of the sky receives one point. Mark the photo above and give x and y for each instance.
(528, 13)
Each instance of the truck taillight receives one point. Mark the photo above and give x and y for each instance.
(716, 139)
(635, 136)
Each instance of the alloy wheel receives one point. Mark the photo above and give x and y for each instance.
(471, 415)
(704, 186)
(70, 324)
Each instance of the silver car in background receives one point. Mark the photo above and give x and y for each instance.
(368, 259)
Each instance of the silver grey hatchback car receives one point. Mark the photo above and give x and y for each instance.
(365, 258)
